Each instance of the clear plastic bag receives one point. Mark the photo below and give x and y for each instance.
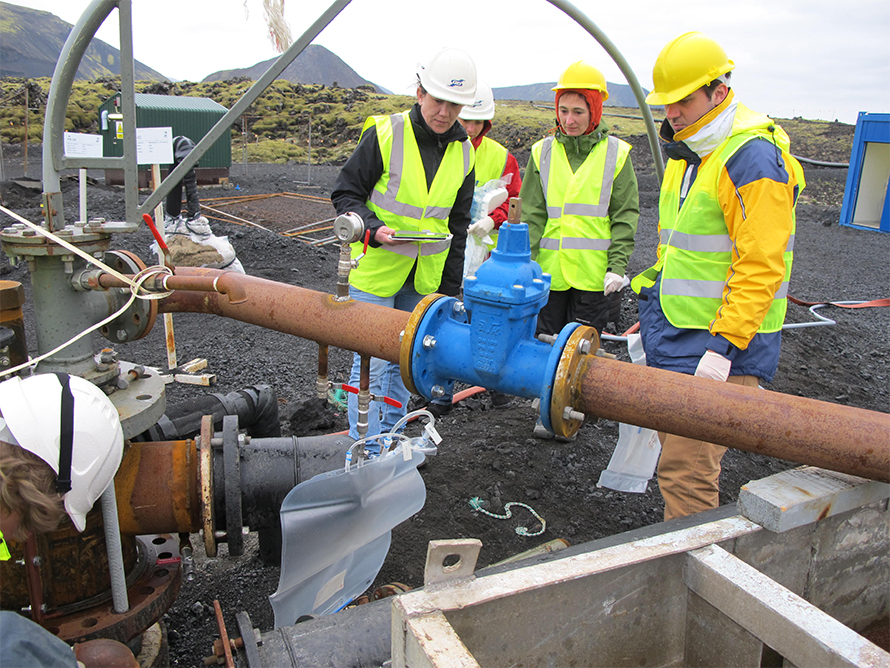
(486, 198)
(636, 454)
(474, 255)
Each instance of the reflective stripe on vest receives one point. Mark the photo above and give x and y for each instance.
(491, 161)
(577, 237)
(402, 201)
(696, 249)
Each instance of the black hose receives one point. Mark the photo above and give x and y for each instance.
(256, 407)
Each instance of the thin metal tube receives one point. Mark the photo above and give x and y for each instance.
(115, 552)
(582, 20)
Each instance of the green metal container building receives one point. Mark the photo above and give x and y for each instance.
(191, 117)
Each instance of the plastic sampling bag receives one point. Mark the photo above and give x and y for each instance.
(636, 454)
(336, 531)
(486, 198)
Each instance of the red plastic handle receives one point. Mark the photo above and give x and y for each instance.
(154, 230)
(367, 239)
(386, 400)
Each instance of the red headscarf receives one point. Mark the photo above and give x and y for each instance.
(594, 104)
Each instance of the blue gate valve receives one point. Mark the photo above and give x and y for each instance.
(489, 338)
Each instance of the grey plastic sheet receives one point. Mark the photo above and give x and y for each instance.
(336, 531)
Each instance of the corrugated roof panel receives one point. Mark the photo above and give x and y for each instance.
(173, 102)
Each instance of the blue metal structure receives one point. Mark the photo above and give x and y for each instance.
(869, 169)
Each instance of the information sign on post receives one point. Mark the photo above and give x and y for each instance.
(154, 146)
(79, 145)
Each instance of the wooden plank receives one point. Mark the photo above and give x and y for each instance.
(205, 379)
(797, 630)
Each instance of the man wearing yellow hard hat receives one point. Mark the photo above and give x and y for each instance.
(581, 203)
(714, 303)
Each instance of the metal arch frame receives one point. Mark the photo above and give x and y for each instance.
(54, 158)
(78, 41)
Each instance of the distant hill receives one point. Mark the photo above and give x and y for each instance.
(620, 95)
(31, 41)
(316, 65)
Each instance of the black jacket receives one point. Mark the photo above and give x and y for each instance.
(365, 167)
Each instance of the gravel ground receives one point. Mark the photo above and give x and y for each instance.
(489, 452)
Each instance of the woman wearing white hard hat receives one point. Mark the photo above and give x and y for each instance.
(412, 172)
(493, 160)
(60, 445)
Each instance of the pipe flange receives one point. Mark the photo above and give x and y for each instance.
(407, 347)
(232, 468)
(566, 390)
(139, 319)
(206, 463)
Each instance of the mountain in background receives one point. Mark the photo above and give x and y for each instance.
(620, 95)
(316, 65)
(31, 41)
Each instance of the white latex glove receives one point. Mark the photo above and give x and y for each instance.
(481, 227)
(612, 282)
(714, 366)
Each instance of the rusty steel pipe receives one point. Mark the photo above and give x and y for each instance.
(805, 431)
(839, 438)
(367, 329)
(156, 488)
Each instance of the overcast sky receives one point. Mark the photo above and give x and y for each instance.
(820, 59)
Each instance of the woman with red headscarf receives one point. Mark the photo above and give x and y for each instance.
(581, 203)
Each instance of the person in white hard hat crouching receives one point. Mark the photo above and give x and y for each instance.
(412, 172)
(61, 444)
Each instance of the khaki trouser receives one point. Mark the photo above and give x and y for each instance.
(689, 470)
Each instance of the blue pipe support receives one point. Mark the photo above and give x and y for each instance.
(489, 339)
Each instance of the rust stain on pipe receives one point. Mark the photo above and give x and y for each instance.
(157, 488)
(806, 431)
(367, 329)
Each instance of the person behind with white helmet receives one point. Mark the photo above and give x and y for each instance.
(493, 161)
(582, 205)
(714, 303)
(61, 444)
(411, 172)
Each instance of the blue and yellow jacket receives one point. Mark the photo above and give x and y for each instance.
(757, 190)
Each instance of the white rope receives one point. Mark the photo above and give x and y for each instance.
(476, 504)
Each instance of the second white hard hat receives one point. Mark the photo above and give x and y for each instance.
(449, 75)
(482, 108)
(31, 416)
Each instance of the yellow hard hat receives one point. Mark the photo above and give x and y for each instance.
(582, 74)
(687, 63)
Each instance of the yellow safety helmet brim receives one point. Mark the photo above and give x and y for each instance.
(684, 65)
(582, 75)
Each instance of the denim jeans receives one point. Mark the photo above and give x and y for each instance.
(386, 379)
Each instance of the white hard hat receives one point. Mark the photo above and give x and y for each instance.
(31, 417)
(449, 75)
(482, 108)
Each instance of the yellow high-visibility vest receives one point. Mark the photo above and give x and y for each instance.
(401, 200)
(575, 244)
